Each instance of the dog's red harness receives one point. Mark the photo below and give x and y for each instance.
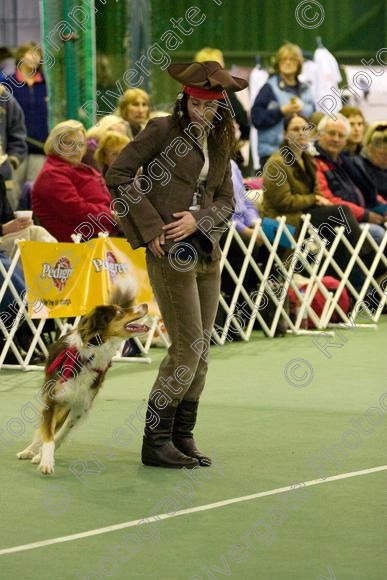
(68, 364)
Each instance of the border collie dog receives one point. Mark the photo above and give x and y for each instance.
(75, 371)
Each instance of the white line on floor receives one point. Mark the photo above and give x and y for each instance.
(201, 508)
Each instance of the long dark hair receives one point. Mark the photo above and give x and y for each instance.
(310, 169)
(223, 131)
(290, 117)
(287, 121)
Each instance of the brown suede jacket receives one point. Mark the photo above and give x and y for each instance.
(167, 161)
(290, 189)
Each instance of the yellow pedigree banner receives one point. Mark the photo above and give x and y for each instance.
(65, 279)
(123, 262)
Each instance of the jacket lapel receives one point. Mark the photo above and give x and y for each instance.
(216, 164)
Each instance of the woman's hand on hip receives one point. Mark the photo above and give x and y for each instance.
(156, 244)
(184, 225)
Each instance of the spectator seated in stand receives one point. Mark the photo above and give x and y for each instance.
(10, 230)
(246, 214)
(343, 180)
(373, 158)
(292, 189)
(98, 131)
(7, 63)
(282, 95)
(68, 196)
(358, 123)
(245, 217)
(110, 146)
(13, 146)
(25, 197)
(134, 108)
(14, 228)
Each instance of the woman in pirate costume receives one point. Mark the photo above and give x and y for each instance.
(177, 208)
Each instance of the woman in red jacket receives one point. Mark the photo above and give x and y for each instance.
(68, 196)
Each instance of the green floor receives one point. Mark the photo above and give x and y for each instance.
(263, 433)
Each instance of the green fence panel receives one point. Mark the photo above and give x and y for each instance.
(123, 35)
(68, 34)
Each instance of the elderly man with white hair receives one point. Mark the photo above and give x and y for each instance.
(337, 174)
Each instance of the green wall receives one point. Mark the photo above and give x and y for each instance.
(241, 28)
(126, 29)
(352, 29)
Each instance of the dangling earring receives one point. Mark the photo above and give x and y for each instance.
(179, 98)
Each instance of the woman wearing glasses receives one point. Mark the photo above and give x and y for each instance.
(282, 95)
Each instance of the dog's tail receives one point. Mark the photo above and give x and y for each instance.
(124, 291)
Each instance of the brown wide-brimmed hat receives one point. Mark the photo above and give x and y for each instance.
(208, 75)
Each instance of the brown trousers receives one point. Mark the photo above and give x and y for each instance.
(188, 301)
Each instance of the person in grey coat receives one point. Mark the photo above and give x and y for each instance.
(13, 145)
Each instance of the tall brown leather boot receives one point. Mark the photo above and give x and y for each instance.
(158, 449)
(185, 421)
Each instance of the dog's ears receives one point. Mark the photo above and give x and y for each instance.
(103, 315)
(93, 325)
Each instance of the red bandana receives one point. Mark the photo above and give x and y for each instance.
(204, 94)
(68, 365)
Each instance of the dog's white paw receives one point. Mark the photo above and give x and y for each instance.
(46, 468)
(26, 454)
(36, 459)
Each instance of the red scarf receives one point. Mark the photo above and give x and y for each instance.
(68, 365)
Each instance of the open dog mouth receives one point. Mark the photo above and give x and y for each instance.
(137, 327)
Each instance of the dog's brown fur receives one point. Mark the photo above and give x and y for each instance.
(66, 399)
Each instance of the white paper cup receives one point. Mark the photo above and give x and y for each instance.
(25, 213)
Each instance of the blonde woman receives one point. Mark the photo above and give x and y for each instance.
(95, 134)
(282, 95)
(373, 157)
(68, 196)
(134, 108)
(208, 53)
(111, 144)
